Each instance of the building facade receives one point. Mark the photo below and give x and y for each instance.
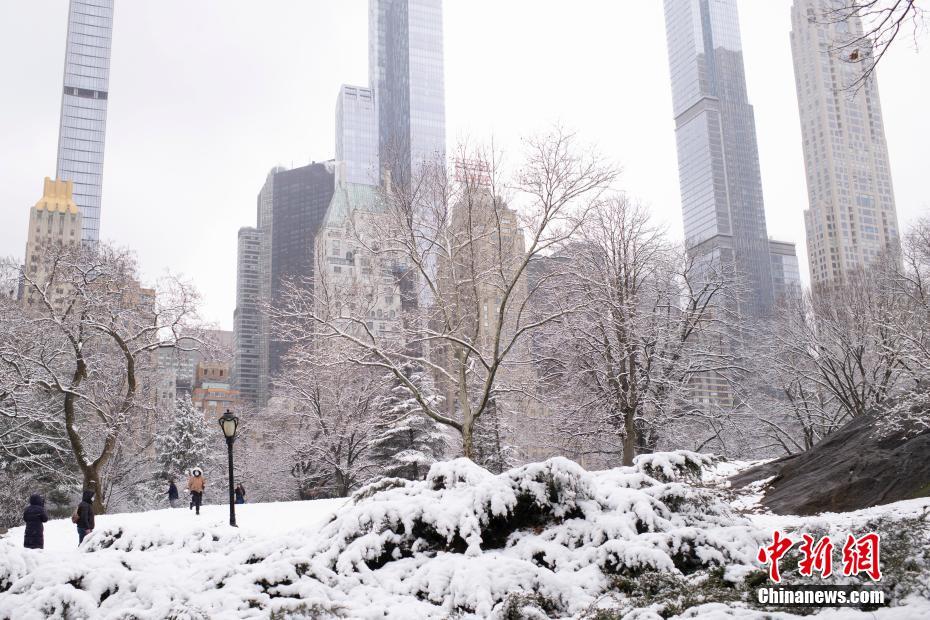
(405, 64)
(84, 107)
(213, 394)
(718, 160)
(301, 197)
(786, 273)
(54, 223)
(280, 250)
(247, 318)
(264, 218)
(356, 136)
(166, 380)
(353, 275)
(851, 218)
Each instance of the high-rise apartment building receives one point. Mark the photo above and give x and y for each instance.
(718, 159)
(356, 136)
(84, 107)
(247, 318)
(264, 218)
(54, 222)
(405, 64)
(851, 217)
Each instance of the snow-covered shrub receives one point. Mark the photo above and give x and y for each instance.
(549, 529)
(675, 465)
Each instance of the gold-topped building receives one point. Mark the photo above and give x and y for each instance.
(54, 221)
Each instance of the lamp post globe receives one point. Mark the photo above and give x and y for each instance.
(230, 423)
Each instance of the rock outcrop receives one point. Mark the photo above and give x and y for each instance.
(852, 468)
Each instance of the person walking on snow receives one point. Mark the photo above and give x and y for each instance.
(35, 516)
(172, 494)
(240, 494)
(84, 515)
(196, 484)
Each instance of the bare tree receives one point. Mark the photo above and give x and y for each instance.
(872, 27)
(794, 409)
(647, 327)
(333, 420)
(76, 356)
(460, 245)
(849, 350)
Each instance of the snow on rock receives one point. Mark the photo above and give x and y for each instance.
(546, 540)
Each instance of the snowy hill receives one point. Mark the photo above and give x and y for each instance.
(547, 540)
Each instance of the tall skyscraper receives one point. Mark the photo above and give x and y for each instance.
(718, 159)
(247, 318)
(356, 136)
(84, 106)
(280, 249)
(264, 219)
(300, 199)
(405, 64)
(851, 217)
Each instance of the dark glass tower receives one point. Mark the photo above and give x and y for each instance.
(718, 158)
(300, 198)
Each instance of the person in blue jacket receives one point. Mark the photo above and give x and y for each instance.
(35, 516)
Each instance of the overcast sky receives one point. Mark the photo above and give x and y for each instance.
(206, 96)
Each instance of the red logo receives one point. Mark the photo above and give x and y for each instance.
(817, 557)
(772, 554)
(860, 555)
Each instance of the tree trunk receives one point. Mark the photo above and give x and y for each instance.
(92, 482)
(468, 449)
(629, 438)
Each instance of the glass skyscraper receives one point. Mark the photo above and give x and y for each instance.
(405, 64)
(84, 106)
(356, 136)
(851, 219)
(718, 158)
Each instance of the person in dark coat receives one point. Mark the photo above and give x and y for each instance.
(35, 516)
(172, 494)
(240, 494)
(85, 515)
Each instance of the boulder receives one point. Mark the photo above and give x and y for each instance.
(853, 468)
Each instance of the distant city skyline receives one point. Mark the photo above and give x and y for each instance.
(214, 145)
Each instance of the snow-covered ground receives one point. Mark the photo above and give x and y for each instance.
(253, 520)
(548, 540)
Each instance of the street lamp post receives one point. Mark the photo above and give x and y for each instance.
(229, 423)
